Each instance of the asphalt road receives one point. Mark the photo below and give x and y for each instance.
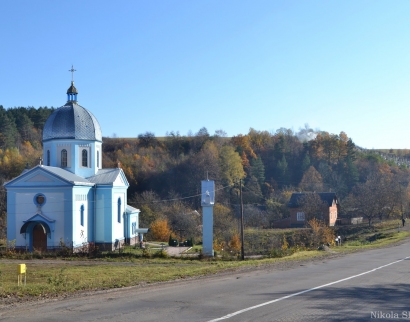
(355, 287)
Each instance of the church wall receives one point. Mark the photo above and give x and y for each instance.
(108, 230)
(119, 227)
(60, 147)
(98, 160)
(132, 225)
(74, 155)
(81, 209)
(49, 147)
(90, 147)
(11, 218)
(103, 231)
(91, 214)
(56, 208)
(25, 208)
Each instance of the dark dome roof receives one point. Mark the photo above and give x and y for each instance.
(72, 89)
(72, 121)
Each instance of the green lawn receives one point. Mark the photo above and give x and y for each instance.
(54, 276)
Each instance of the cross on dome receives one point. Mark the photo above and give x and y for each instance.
(72, 91)
(72, 70)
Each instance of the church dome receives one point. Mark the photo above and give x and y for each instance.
(72, 121)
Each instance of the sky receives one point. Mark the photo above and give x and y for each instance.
(163, 66)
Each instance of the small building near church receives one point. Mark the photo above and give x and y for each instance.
(71, 199)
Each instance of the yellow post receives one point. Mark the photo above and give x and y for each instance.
(21, 269)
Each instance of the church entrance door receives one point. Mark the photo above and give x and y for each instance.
(39, 238)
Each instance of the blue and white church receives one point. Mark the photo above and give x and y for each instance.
(71, 198)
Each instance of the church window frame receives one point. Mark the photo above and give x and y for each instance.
(119, 210)
(48, 157)
(82, 215)
(64, 158)
(39, 199)
(98, 159)
(84, 158)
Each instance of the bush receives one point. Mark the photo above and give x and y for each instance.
(161, 254)
(173, 242)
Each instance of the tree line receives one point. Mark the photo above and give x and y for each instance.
(165, 172)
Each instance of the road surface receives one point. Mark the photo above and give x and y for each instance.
(366, 286)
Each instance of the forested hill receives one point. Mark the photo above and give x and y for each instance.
(272, 165)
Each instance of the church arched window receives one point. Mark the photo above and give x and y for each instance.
(84, 158)
(119, 210)
(64, 158)
(82, 215)
(98, 159)
(48, 157)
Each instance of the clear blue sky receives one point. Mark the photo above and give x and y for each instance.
(163, 66)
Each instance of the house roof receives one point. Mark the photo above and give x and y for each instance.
(327, 197)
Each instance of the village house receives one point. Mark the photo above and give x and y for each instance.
(297, 216)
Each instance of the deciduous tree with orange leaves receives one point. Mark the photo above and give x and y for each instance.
(160, 230)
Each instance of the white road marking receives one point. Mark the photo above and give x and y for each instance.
(305, 291)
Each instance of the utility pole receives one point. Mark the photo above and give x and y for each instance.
(401, 204)
(242, 235)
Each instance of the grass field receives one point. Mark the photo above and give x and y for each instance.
(53, 276)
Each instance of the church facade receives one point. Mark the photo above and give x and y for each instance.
(69, 199)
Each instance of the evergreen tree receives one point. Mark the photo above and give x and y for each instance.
(8, 130)
(305, 163)
(282, 172)
(258, 170)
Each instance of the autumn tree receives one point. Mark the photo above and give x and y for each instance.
(321, 234)
(160, 230)
(377, 197)
(276, 210)
(231, 165)
(242, 144)
(235, 243)
(311, 180)
(147, 140)
(224, 222)
(182, 219)
(260, 140)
